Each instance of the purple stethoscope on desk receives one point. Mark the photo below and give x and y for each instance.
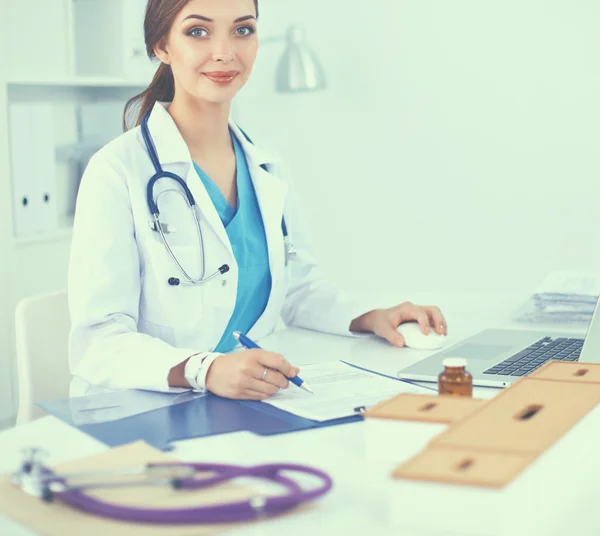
(37, 480)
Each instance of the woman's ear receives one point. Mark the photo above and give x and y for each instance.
(162, 53)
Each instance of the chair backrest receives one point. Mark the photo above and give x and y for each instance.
(42, 326)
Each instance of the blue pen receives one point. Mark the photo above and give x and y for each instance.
(249, 344)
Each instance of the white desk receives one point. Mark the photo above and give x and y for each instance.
(357, 503)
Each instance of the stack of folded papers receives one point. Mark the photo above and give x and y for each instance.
(563, 297)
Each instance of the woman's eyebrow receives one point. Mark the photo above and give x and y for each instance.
(202, 17)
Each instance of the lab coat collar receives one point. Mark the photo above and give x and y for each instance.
(168, 141)
(255, 155)
(171, 147)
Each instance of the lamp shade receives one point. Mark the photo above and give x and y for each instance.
(299, 69)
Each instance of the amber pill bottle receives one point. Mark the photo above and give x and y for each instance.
(454, 380)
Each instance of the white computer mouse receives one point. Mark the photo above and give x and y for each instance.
(415, 338)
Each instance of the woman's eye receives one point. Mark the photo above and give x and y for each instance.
(197, 32)
(245, 30)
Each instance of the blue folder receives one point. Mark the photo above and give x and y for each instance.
(174, 417)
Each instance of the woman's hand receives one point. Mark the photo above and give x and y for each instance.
(242, 375)
(383, 322)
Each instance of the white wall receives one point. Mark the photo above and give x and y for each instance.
(457, 144)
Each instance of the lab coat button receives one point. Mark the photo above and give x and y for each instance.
(224, 282)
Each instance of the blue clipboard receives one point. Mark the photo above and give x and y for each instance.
(176, 418)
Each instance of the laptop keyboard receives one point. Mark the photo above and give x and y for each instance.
(536, 355)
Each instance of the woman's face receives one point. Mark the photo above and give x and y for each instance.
(211, 48)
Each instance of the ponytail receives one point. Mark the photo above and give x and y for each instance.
(162, 88)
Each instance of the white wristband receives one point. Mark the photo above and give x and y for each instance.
(192, 368)
(196, 370)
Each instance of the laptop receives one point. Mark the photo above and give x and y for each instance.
(498, 357)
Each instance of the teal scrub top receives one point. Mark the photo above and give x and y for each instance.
(246, 232)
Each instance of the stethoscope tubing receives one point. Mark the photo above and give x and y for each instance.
(160, 173)
(221, 513)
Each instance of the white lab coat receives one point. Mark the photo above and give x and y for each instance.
(129, 326)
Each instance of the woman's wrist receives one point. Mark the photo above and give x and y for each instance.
(176, 377)
(363, 323)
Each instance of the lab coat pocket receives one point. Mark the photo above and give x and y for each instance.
(176, 306)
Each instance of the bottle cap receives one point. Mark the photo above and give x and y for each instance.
(454, 362)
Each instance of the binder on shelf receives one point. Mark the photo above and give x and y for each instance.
(22, 168)
(33, 168)
(44, 203)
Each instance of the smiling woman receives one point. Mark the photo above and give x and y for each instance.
(134, 325)
(179, 34)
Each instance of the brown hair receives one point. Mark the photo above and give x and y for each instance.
(160, 16)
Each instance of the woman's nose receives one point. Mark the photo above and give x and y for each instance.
(223, 51)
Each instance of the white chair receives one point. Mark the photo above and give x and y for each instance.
(42, 325)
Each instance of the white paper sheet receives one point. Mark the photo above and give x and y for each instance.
(563, 297)
(338, 390)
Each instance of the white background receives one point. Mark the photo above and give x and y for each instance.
(457, 144)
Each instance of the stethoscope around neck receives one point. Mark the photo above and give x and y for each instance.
(157, 226)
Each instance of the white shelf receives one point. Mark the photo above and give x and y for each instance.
(81, 82)
(54, 236)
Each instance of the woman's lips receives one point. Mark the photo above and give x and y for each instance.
(222, 78)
